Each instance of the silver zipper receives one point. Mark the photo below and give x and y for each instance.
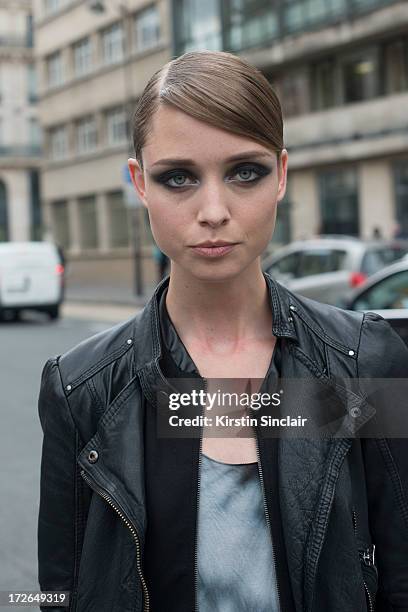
(197, 502)
(361, 554)
(261, 478)
(104, 494)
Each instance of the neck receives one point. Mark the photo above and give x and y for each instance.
(222, 315)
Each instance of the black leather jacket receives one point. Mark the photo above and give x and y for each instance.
(93, 518)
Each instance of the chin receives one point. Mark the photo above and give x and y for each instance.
(212, 272)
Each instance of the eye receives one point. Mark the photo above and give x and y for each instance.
(250, 173)
(178, 178)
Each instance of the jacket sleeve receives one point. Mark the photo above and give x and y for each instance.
(383, 354)
(57, 528)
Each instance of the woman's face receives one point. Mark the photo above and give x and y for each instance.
(200, 183)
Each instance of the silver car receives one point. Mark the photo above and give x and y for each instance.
(385, 292)
(328, 268)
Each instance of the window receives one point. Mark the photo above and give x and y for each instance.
(321, 261)
(35, 206)
(198, 25)
(34, 132)
(396, 65)
(53, 6)
(250, 23)
(360, 77)
(32, 94)
(116, 126)
(147, 28)
(118, 220)
(364, 5)
(112, 43)
(88, 223)
(83, 57)
(338, 193)
(86, 135)
(304, 14)
(29, 30)
(55, 69)
(376, 259)
(60, 222)
(391, 292)
(282, 231)
(324, 84)
(4, 221)
(293, 90)
(286, 267)
(59, 143)
(401, 196)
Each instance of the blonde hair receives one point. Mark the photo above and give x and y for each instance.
(216, 87)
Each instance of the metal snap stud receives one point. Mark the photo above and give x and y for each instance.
(292, 307)
(68, 387)
(93, 456)
(290, 319)
(351, 353)
(355, 412)
(129, 341)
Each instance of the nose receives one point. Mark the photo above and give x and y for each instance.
(213, 207)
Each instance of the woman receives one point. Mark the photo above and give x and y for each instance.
(250, 522)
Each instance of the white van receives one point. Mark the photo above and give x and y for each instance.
(31, 277)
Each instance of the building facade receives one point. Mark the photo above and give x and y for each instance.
(94, 60)
(340, 68)
(20, 135)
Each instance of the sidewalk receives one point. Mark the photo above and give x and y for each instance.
(102, 294)
(103, 303)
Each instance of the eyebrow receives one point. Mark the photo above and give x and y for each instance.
(189, 162)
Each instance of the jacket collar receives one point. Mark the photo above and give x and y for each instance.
(149, 330)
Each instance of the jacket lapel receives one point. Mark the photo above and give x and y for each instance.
(119, 445)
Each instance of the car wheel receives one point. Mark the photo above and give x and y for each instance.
(9, 314)
(54, 312)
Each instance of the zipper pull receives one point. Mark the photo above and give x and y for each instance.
(367, 556)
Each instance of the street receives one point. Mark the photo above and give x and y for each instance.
(24, 348)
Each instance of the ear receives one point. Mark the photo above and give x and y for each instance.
(282, 173)
(137, 176)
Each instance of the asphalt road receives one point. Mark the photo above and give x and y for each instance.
(24, 348)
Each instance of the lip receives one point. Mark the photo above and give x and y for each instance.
(216, 250)
(213, 243)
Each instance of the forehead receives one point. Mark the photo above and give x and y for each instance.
(176, 134)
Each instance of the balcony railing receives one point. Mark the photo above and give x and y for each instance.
(20, 151)
(14, 41)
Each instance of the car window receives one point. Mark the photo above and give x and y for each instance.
(391, 292)
(285, 266)
(376, 259)
(319, 261)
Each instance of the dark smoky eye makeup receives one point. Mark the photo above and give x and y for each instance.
(163, 177)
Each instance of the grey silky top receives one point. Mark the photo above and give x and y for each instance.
(236, 571)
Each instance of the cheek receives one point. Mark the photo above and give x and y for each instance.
(261, 214)
(167, 221)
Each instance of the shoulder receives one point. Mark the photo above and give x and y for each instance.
(336, 326)
(379, 350)
(127, 342)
